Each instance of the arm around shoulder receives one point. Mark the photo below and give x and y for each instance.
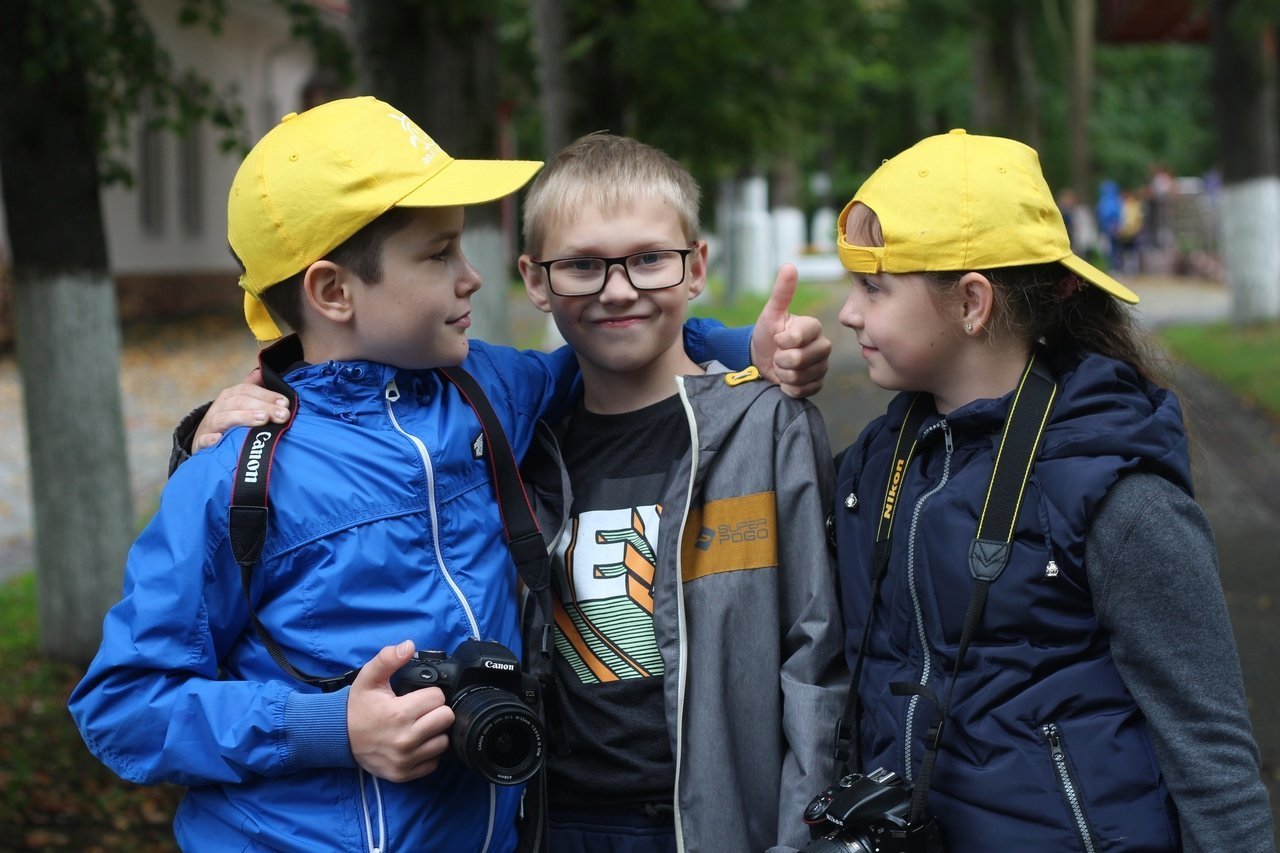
(183, 436)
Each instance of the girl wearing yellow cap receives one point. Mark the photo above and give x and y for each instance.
(1041, 648)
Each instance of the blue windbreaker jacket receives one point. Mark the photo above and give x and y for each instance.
(383, 527)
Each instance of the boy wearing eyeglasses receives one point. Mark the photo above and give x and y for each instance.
(698, 638)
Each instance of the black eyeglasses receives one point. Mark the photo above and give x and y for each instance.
(655, 269)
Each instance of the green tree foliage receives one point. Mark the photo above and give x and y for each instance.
(838, 86)
(125, 66)
(1152, 105)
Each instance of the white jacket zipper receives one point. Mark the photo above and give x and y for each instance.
(392, 394)
(381, 846)
(680, 614)
(927, 667)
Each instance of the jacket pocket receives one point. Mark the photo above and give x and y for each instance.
(1068, 785)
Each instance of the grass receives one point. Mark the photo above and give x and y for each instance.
(1244, 359)
(54, 796)
(744, 308)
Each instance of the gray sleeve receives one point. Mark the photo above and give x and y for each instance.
(183, 434)
(1153, 570)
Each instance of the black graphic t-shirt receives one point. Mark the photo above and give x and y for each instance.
(609, 673)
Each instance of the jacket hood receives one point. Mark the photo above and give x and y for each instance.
(719, 399)
(1103, 409)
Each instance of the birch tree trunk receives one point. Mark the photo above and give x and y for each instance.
(67, 340)
(1244, 98)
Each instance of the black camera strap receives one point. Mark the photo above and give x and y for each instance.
(534, 566)
(849, 727)
(988, 553)
(250, 504)
(524, 537)
(250, 501)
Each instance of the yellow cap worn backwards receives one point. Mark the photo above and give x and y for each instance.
(320, 176)
(955, 202)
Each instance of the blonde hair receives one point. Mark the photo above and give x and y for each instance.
(607, 172)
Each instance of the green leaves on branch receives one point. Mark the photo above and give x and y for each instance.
(130, 74)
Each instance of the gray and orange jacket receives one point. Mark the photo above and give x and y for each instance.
(750, 633)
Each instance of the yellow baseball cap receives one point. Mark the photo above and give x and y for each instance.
(955, 202)
(320, 176)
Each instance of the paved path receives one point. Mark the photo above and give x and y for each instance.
(166, 371)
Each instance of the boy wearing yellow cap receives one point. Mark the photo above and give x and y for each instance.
(384, 534)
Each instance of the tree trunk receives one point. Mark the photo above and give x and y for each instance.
(439, 65)
(601, 82)
(67, 341)
(1244, 98)
(1005, 101)
(555, 97)
(1024, 79)
(1083, 23)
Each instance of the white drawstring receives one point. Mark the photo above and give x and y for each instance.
(380, 847)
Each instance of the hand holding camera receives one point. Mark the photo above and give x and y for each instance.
(391, 738)
(497, 732)
(478, 696)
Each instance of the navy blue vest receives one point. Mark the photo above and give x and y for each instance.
(1045, 750)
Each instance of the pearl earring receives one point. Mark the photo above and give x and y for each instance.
(968, 327)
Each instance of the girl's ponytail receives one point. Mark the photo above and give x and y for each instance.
(1048, 302)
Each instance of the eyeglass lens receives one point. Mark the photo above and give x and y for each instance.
(646, 270)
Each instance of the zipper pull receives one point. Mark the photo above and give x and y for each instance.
(391, 392)
(946, 436)
(1055, 742)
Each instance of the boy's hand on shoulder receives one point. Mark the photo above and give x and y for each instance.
(396, 738)
(789, 349)
(247, 404)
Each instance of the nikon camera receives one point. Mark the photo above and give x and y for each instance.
(496, 730)
(869, 814)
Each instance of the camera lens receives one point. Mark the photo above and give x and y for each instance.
(496, 735)
(509, 743)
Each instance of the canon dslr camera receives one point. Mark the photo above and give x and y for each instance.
(496, 730)
(869, 814)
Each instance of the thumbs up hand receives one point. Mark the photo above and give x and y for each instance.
(790, 349)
